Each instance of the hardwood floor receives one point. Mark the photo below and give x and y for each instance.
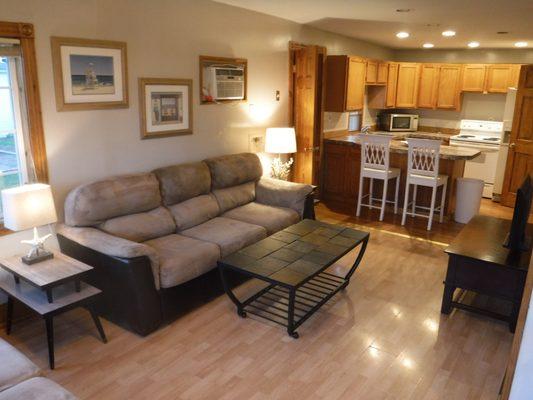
(383, 338)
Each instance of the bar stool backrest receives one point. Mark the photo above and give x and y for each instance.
(375, 151)
(423, 157)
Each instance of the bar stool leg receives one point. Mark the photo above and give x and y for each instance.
(360, 195)
(406, 201)
(384, 198)
(432, 207)
(396, 193)
(415, 191)
(371, 198)
(442, 200)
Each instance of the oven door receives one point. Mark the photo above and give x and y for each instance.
(401, 123)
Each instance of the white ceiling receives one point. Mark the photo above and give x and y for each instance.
(377, 21)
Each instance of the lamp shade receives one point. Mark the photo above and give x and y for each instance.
(280, 140)
(28, 206)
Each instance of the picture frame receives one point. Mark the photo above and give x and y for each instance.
(89, 74)
(207, 65)
(165, 107)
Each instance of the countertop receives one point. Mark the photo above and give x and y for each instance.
(397, 146)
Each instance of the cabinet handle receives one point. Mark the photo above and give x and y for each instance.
(512, 145)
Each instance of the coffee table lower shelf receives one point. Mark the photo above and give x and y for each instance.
(290, 307)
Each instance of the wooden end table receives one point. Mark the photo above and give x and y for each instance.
(49, 288)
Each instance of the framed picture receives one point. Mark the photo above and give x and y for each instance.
(223, 79)
(165, 107)
(89, 74)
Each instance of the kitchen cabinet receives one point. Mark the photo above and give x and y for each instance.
(407, 85)
(383, 73)
(429, 79)
(345, 88)
(392, 81)
(376, 72)
(449, 87)
(489, 78)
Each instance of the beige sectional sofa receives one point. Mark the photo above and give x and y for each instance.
(20, 380)
(147, 234)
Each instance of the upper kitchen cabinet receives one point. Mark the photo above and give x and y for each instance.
(345, 83)
(407, 85)
(392, 81)
(439, 86)
(429, 79)
(489, 78)
(376, 72)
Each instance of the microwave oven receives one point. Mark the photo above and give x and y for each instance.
(398, 122)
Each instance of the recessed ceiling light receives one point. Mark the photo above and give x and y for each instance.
(404, 10)
(473, 44)
(520, 44)
(402, 35)
(448, 33)
(502, 33)
(428, 45)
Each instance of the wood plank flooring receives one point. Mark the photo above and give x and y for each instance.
(383, 338)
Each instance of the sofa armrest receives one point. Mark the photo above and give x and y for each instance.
(110, 245)
(275, 192)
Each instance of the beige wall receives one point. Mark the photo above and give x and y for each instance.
(504, 56)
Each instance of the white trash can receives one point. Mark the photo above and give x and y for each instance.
(468, 199)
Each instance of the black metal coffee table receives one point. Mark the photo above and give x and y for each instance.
(294, 262)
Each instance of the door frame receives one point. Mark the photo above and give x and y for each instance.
(321, 51)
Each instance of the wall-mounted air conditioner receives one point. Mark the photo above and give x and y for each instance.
(224, 82)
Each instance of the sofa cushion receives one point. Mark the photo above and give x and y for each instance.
(273, 219)
(235, 196)
(142, 226)
(229, 234)
(234, 169)
(93, 203)
(37, 389)
(182, 258)
(194, 211)
(15, 367)
(184, 181)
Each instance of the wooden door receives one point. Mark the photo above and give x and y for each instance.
(305, 69)
(473, 78)
(392, 82)
(427, 91)
(355, 86)
(407, 87)
(383, 72)
(520, 158)
(448, 89)
(371, 71)
(499, 78)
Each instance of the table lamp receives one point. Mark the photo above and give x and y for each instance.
(280, 141)
(30, 206)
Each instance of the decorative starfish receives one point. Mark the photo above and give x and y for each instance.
(37, 243)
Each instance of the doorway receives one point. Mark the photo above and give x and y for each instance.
(306, 99)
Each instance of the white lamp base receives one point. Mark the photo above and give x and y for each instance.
(37, 252)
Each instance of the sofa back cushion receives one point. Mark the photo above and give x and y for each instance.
(194, 211)
(184, 181)
(93, 203)
(141, 226)
(235, 196)
(233, 170)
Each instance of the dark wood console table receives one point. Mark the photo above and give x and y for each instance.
(478, 262)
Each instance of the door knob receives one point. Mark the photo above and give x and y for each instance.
(512, 145)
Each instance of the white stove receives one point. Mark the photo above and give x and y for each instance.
(487, 137)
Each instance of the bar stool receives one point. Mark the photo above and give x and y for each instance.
(423, 170)
(375, 151)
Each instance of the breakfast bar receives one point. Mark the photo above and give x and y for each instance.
(342, 160)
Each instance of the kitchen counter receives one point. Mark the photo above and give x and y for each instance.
(399, 147)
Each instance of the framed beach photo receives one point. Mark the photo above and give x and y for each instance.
(89, 74)
(165, 107)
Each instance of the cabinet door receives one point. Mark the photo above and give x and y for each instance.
(499, 78)
(427, 91)
(355, 90)
(392, 82)
(448, 90)
(407, 88)
(383, 72)
(371, 72)
(473, 78)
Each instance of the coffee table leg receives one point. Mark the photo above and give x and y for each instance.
(9, 314)
(98, 325)
(50, 337)
(356, 262)
(290, 319)
(49, 295)
(235, 300)
(447, 298)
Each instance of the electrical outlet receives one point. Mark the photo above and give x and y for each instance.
(257, 144)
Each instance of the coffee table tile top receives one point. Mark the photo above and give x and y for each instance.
(46, 273)
(293, 255)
